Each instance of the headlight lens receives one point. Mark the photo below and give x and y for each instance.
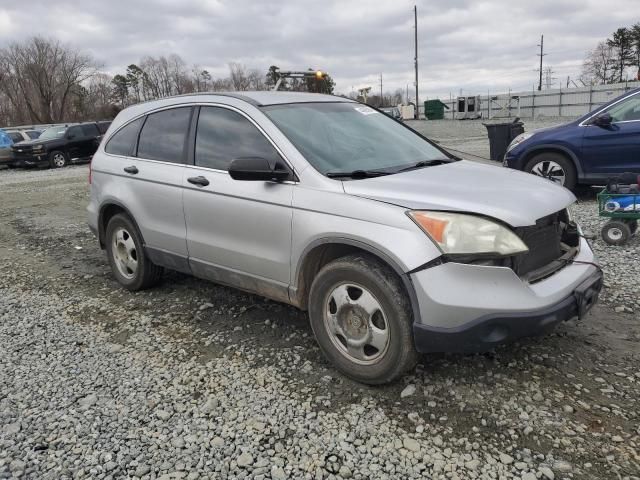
(459, 233)
(519, 139)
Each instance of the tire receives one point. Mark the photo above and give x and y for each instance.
(547, 163)
(616, 232)
(369, 284)
(131, 267)
(58, 159)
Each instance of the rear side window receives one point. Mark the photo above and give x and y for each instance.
(224, 135)
(90, 130)
(164, 135)
(75, 132)
(33, 134)
(124, 141)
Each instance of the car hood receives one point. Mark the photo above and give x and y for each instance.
(516, 198)
(37, 141)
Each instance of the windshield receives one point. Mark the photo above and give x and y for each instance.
(54, 132)
(342, 137)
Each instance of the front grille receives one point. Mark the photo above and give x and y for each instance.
(545, 242)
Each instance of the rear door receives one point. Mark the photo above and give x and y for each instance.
(146, 161)
(238, 232)
(616, 148)
(75, 142)
(92, 138)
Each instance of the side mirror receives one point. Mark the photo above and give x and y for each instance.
(603, 120)
(256, 169)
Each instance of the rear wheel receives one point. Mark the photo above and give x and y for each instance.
(361, 317)
(129, 264)
(553, 166)
(616, 232)
(57, 159)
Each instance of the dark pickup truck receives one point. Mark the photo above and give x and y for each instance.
(59, 146)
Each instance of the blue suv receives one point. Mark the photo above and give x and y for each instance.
(602, 144)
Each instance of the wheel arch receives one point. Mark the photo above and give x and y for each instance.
(107, 211)
(322, 251)
(554, 148)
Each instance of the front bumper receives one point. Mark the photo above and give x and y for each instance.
(28, 159)
(470, 308)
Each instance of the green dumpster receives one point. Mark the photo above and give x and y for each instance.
(434, 109)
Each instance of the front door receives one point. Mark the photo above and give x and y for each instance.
(238, 232)
(614, 149)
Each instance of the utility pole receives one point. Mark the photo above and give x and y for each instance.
(415, 21)
(541, 54)
(381, 97)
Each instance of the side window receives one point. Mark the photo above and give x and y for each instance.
(124, 141)
(75, 133)
(626, 110)
(33, 134)
(90, 130)
(224, 135)
(164, 135)
(16, 137)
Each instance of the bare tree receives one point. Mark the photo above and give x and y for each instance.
(239, 77)
(41, 76)
(600, 65)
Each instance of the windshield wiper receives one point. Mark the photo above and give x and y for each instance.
(357, 174)
(425, 163)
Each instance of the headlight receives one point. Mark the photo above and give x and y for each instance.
(459, 233)
(519, 139)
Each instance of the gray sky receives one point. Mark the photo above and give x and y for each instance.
(472, 45)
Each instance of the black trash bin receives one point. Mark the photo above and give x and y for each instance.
(501, 135)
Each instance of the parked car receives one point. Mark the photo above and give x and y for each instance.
(589, 150)
(23, 135)
(331, 206)
(58, 146)
(393, 112)
(5, 148)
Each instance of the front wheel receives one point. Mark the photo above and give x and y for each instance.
(57, 159)
(554, 167)
(615, 232)
(361, 317)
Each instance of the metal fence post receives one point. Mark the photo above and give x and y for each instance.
(590, 97)
(560, 102)
(533, 104)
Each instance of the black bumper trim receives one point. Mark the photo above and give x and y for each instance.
(491, 330)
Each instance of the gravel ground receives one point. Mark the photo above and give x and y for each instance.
(195, 380)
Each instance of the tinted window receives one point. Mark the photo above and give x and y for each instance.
(124, 141)
(90, 130)
(33, 134)
(16, 137)
(223, 135)
(75, 132)
(103, 126)
(164, 135)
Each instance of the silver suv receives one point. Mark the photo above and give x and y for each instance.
(393, 245)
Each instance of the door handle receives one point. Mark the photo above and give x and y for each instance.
(132, 169)
(202, 181)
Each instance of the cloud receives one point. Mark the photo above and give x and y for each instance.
(474, 45)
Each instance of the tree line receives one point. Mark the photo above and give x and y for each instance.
(615, 59)
(44, 81)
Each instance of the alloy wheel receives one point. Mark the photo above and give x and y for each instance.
(549, 170)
